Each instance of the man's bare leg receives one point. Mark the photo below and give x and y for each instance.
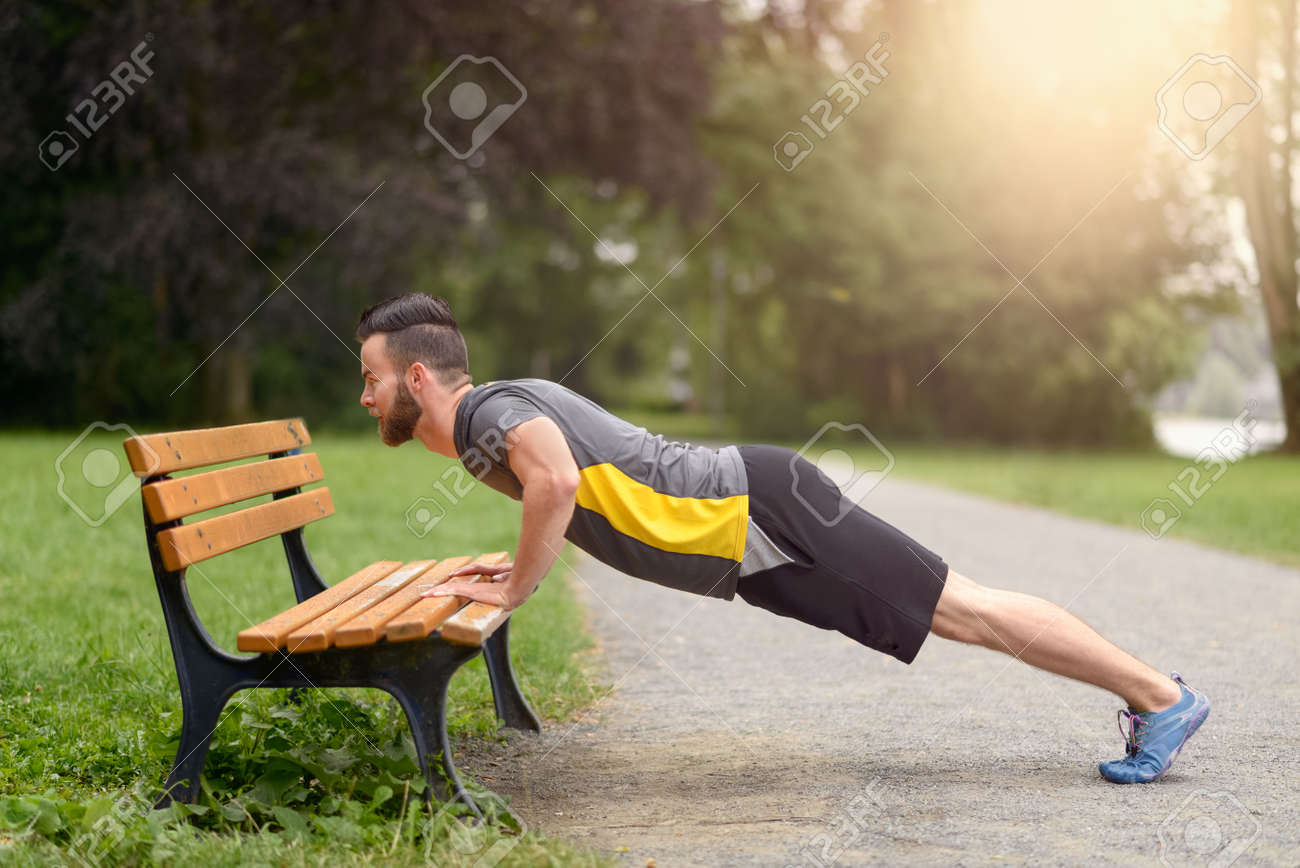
(1044, 635)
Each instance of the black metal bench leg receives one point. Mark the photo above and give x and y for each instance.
(200, 718)
(425, 702)
(512, 708)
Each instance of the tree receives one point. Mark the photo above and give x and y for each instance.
(268, 125)
(1265, 178)
(867, 300)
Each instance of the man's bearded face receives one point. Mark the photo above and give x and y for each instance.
(398, 424)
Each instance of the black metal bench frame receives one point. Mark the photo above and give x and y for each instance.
(415, 673)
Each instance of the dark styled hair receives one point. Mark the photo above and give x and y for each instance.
(420, 328)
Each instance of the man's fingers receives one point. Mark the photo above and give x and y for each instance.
(483, 593)
(472, 590)
(446, 589)
(482, 570)
(486, 578)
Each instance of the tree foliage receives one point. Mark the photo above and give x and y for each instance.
(630, 211)
(268, 126)
(883, 273)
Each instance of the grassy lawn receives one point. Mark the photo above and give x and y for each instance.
(1253, 508)
(90, 711)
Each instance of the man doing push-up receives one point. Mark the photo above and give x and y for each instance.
(751, 521)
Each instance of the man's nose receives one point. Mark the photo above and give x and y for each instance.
(366, 400)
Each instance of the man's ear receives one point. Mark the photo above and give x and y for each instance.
(417, 376)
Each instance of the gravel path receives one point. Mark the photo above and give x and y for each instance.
(737, 737)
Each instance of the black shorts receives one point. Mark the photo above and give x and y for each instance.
(853, 572)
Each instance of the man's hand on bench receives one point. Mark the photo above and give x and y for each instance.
(495, 589)
(540, 457)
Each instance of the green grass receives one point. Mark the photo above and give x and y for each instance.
(90, 711)
(1253, 508)
(678, 425)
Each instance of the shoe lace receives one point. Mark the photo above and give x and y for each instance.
(1136, 729)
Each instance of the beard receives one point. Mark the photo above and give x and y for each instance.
(398, 424)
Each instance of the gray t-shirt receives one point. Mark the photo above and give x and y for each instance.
(668, 512)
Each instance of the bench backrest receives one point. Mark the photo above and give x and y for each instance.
(154, 456)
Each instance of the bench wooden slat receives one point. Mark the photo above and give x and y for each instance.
(272, 633)
(191, 543)
(429, 613)
(318, 634)
(367, 628)
(177, 498)
(474, 624)
(181, 450)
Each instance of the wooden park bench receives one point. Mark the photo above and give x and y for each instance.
(372, 629)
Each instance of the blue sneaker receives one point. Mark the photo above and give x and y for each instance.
(1155, 738)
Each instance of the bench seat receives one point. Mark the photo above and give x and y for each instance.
(380, 602)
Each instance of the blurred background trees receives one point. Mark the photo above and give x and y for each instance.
(879, 281)
(1265, 38)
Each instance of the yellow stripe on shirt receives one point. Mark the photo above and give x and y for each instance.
(684, 525)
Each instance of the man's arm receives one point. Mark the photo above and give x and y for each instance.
(539, 455)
